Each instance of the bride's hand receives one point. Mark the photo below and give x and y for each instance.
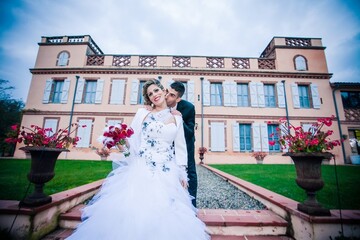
(122, 148)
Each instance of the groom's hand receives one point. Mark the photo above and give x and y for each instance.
(176, 112)
(148, 107)
(185, 184)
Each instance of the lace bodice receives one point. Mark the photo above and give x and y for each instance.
(157, 137)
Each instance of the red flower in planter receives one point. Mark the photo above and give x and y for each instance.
(313, 140)
(42, 137)
(202, 150)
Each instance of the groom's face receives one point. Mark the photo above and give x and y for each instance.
(172, 97)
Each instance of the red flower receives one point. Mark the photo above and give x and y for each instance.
(312, 140)
(114, 135)
(129, 132)
(202, 150)
(272, 143)
(41, 137)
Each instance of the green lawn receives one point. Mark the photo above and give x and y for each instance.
(281, 179)
(277, 178)
(68, 174)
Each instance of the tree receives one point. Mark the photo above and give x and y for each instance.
(10, 114)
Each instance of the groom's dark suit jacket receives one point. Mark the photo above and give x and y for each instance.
(187, 110)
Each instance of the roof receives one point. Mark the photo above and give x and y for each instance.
(345, 84)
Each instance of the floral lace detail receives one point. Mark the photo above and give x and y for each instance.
(156, 142)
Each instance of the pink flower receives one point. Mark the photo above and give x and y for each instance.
(312, 140)
(272, 143)
(41, 137)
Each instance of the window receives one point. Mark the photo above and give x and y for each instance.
(189, 90)
(269, 93)
(257, 96)
(217, 131)
(90, 91)
(141, 97)
(245, 137)
(260, 137)
(117, 91)
(273, 136)
(230, 94)
(56, 91)
(242, 95)
(63, 59)
(84, 133)
(136, 96)
(304, 96)
(216, 94)
(185, 96)
(354, 138)
(113, 122)
(300, 63)
(51, 123)
(306, 127)
(350, 99)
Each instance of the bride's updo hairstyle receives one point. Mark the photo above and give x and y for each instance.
(147, 84)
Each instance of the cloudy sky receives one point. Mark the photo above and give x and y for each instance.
(240, 28)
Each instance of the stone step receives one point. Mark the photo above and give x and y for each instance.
(61, 234)
(220, 222)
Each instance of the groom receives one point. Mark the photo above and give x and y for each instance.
(187, 110)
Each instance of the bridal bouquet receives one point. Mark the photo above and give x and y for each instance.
(114, 136)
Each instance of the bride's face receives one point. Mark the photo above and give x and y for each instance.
(156, 95)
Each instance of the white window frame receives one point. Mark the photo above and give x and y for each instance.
(84, 133)
(217, 140)
(63, 58)
(117, 91)
(51, 123)
(300, 63)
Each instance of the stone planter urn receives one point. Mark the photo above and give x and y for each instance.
(202, 151)
(43, 160)
(259, 160)
(308, 171)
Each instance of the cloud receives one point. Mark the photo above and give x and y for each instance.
(241, 28)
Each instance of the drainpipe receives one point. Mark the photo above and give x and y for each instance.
(286, 107)
(338, 121)
(202, 112)
(73, 103)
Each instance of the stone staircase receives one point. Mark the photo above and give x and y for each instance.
(58, 219)
(223, 224)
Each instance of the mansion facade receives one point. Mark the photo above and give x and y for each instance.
(238, 100)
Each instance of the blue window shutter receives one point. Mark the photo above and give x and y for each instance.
(295, 95)
(47, 91)
(280, 94)
(79, 90)
(315, 96)
(236, 138)
(65, 91)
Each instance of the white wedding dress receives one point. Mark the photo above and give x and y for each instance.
(143, 199)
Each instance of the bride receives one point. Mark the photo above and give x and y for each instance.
(146, 198)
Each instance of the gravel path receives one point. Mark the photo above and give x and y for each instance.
(215, 193)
